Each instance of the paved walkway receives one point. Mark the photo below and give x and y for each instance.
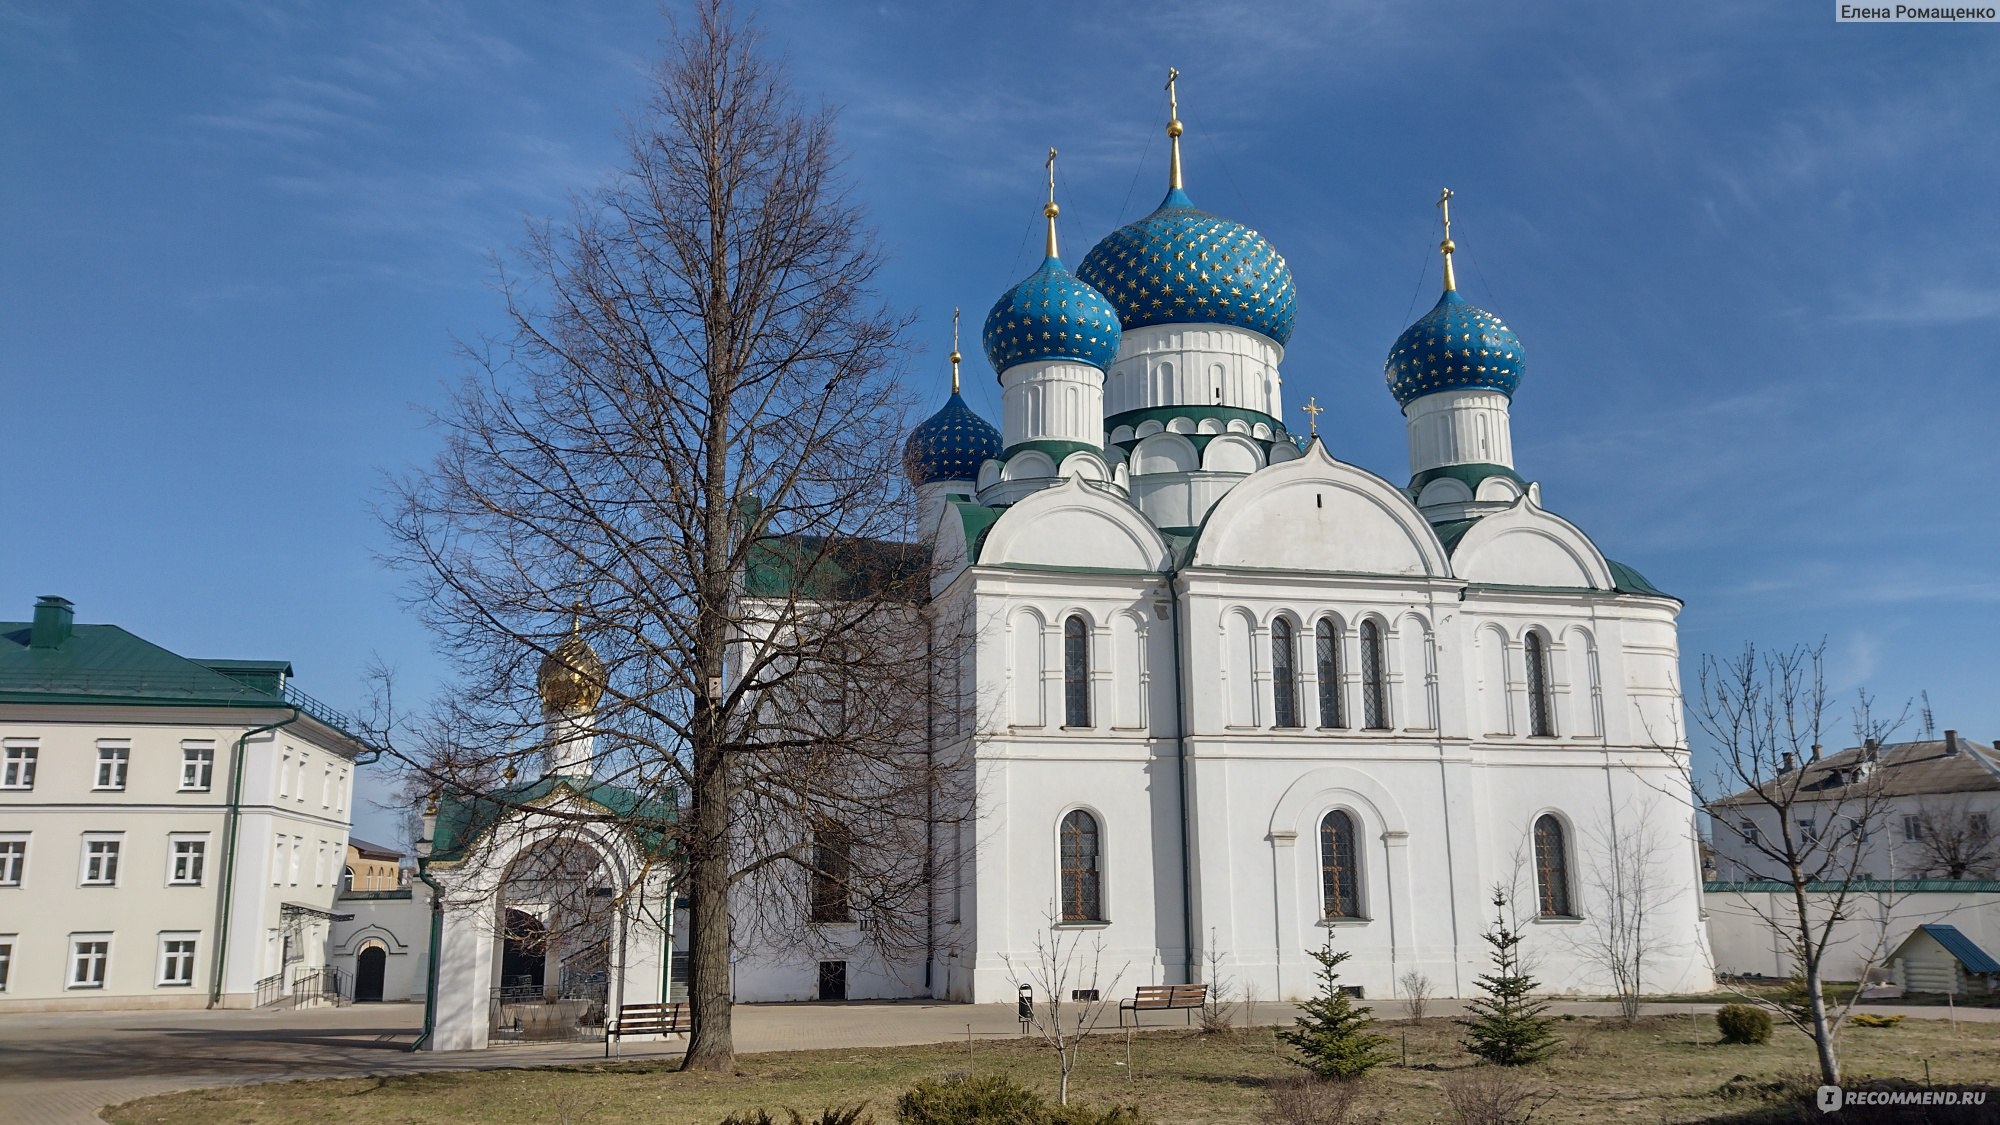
(62, 1069)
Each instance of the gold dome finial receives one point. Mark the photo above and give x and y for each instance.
(1447, 246)
(1049, 209)
(1174, 129)
(571, 677)
(955, 357)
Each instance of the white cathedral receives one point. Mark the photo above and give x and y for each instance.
(1229, 695)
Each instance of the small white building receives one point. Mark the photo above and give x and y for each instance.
(171, 830)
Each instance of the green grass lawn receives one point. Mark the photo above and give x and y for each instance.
(1665, 1069)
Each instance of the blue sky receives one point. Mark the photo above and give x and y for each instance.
(1749, 251)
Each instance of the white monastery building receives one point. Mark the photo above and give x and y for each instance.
(172, 831)
(1227, 692)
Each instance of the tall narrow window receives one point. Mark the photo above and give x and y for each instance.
(1552, 868)
(1326, 643)
(1284, 675)
(1541, 709)
(1339, 871)
(832, 858)
(1374, 679)
(1082, 885)
(1076, 673)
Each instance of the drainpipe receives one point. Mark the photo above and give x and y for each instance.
(1187, 830)
(431, 972)
(235, 819)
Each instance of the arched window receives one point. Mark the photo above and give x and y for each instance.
(1284, 675)
(347, 879)
(1374, 679)
(1552, 868)
(1541, 707)
(1339, 869)
(1327, 642)
(1076, 673)
(1082, 885)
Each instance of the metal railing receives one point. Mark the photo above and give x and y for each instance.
(528, 1014)
(270, 990)
(327, 984)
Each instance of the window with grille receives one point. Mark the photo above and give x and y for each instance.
(100, 862)
(112, 763)
(1076, 673)
(1552, 868)
(197, 767)
(1284, 675)
(18, 771)
(832, 856)
(176, 961)
(1541, 707)
(13, 861)
(1327, 643)
(1082, 884)
(88, 958)
(1374, 679)
(190, 853)
(1339, 869)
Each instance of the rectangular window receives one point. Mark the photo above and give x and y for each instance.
(1809, 831)
(278, 862)
(176, 960)
(18, 770)
(6, 959)
(1975, 826)
(13, 860)
(340, 792)
(1913, 828)
(197, 766)
(89, 955)
(285, 776)
(187, 856)
(100, 860)
(298, 857)
(1748, 830)
(831, 862)
(305, 762)
(113, 760)
(326, 788)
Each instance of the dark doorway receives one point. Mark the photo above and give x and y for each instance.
(833, 980)
(523, 955)
(369, 969)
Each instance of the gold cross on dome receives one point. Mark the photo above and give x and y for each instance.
(955, 357)
(1313, 410)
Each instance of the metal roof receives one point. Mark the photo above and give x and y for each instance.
(1901, 769)
(1958, 945)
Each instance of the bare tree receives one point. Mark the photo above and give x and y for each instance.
(684, 459)
(1417, 989)
(1070, 996)
(1954, 841)
(1625, 887)
(1803, 822)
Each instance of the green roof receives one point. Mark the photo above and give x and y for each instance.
(106, 664)
(465, 817)
(815, 566)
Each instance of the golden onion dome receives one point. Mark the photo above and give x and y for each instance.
(571, 677)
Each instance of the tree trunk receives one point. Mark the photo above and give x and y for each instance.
(711, 1042)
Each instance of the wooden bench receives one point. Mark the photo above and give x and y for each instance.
(1162, 997)
(647, 1019)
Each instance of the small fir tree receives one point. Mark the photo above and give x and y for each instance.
(1507, 1026)
(1332, 1037)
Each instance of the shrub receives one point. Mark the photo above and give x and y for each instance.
(1488, 1095)
(832, 1115)
(1870, 1019)
(1741, 1023)
(1306, 1100)
(997, 1100)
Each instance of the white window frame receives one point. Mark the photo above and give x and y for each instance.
(278, 861)
(21, 757)
(168, 937)
(114, 765)
(326, 788)
(19, 869)
(116, 853)
(103, 961)
(6, 960)
(198, 760)
(285, 775)
(340, 792)
(298, 857)
(175, 842)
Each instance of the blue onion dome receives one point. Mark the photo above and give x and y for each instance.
(1456, 346)
(1182, 265)
(1051, 315)
(950, 445)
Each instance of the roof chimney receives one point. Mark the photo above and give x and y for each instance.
(1951, 744)
(54, 617)
(1791, 762)
(1869, 749)
(1815, 752)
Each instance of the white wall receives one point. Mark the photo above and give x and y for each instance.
(1745, 943)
